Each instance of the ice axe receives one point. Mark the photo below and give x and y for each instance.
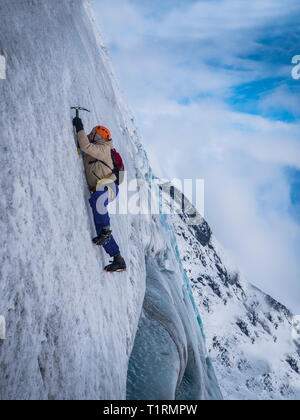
(77, 109)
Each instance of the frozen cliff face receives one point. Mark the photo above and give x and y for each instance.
(70, 327)
(249, 335)
(169, 359)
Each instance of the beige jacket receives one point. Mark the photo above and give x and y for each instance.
(96, 171)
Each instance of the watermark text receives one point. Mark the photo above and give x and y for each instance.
(296, 69)
(2, 67)
(154, 197)
(2, 328)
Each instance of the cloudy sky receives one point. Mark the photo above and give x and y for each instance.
(210, 85)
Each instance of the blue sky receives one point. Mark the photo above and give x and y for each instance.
(210, 85)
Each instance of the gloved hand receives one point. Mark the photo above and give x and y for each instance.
(77, 122)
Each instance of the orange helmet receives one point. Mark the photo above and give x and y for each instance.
(103, 132)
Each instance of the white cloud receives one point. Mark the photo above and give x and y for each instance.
(213, 17)
(281, 98)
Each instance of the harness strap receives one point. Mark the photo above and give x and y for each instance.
(111, 193)
(115, 171)
(101, 161)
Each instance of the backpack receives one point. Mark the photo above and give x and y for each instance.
(118, 169)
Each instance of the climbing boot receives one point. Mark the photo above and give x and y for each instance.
(103, 238)
(118, 265)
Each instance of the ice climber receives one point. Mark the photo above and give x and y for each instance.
(97, 150)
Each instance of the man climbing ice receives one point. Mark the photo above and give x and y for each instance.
(103, 183)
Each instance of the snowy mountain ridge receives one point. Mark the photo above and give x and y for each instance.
(248, 333)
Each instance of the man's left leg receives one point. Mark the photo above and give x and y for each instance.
(99, 202)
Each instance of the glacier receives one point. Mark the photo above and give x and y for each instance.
(72, 331)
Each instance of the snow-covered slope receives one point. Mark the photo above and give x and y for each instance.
(70, 328)
(249, 334)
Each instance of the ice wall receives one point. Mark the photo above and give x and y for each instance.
(169, 359)
(70, 327)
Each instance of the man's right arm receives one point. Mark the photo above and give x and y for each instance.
(94, 150)
(91, 149)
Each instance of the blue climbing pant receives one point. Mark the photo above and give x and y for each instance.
(99, 202)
